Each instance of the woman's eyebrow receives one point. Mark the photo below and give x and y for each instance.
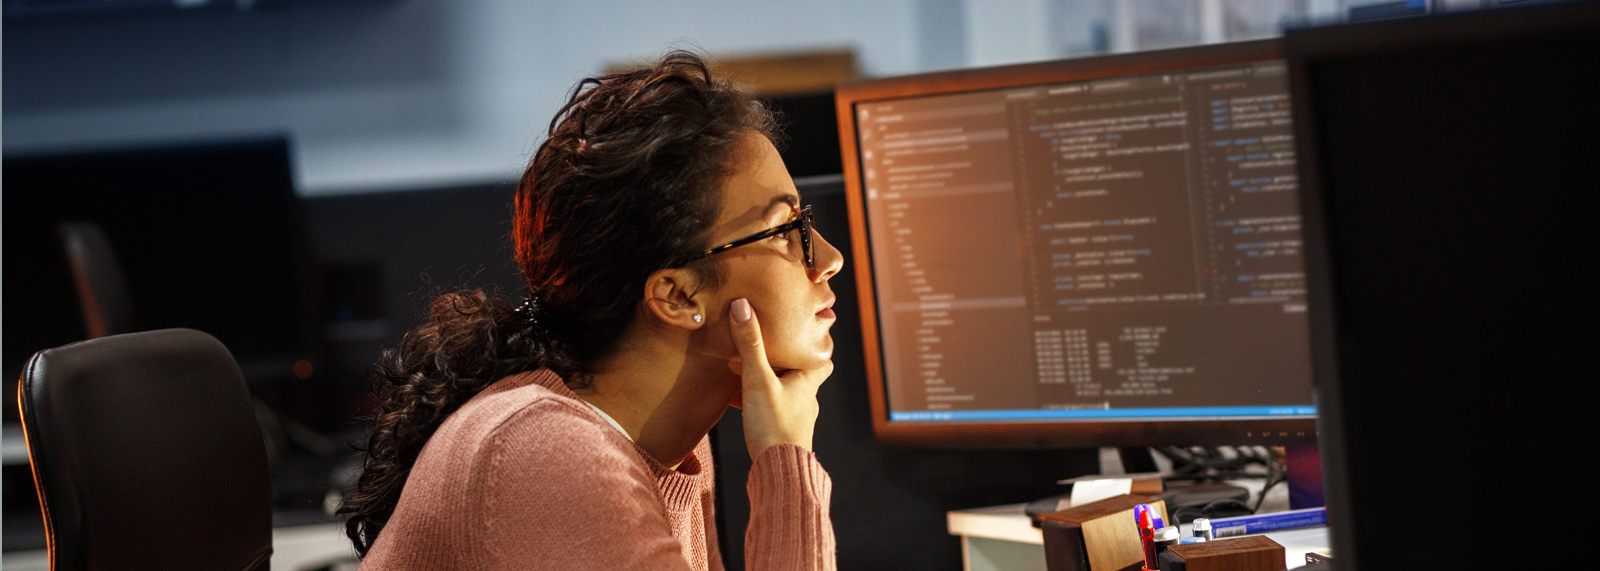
(790, 200)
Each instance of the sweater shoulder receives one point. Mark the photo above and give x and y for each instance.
(522, 447)
(530, 416)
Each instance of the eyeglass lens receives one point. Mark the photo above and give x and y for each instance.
(805, 237)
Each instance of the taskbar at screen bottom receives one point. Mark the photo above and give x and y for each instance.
(1171, 413)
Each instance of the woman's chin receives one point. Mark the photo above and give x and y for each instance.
(817, 354)
(805, 362)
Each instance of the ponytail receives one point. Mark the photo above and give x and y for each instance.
(470, 341)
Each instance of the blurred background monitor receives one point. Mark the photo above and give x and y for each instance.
(1091, 252)
(207, 236)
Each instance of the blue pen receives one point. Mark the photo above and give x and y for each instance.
(1155, 515)
(1248, 524)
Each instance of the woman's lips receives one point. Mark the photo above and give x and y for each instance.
(827, 309)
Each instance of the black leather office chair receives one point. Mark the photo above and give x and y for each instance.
(147, 455)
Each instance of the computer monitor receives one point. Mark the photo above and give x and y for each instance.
(1090, 252)
(208, 236)
(1449, 170)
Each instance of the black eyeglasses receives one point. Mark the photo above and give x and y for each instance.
(802, 222)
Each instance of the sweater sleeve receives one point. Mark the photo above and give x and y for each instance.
(789, 523)
(562, 491)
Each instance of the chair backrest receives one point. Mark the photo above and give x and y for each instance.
(96, 275)
(147, 454)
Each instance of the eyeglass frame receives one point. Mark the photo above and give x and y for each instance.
(803, 221)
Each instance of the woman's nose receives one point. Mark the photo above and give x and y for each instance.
(828, 259)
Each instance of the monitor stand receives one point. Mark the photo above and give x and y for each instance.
(1118, 461)
(1137, 460)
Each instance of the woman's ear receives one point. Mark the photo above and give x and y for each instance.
(669, 297)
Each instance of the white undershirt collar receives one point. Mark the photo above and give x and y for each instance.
(608, 418)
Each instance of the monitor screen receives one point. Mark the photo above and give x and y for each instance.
(206, 235)
(1087, 252)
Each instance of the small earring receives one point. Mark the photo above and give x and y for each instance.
(697, 318)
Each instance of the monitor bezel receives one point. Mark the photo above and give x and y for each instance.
(946, 434)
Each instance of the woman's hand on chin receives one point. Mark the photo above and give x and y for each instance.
(777, 409)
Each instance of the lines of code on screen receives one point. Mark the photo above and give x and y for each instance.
(1117, 248)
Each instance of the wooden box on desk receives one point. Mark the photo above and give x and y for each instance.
(1252, 553)
(1099, 536)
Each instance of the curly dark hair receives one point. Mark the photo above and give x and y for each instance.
(625, 183)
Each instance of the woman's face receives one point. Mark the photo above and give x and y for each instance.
(793, 304)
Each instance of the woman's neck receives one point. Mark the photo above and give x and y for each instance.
(665, 397)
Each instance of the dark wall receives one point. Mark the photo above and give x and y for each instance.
(810, 133)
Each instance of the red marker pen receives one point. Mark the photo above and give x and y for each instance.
(1147, 532)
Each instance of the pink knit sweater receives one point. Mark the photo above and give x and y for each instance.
(527, 476)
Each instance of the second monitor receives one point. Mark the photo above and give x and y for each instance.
(1091, 252)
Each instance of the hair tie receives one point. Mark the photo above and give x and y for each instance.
(532, 312)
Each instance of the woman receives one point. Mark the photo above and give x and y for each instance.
(674, 273)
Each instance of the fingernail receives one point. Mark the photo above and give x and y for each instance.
(741, 310)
